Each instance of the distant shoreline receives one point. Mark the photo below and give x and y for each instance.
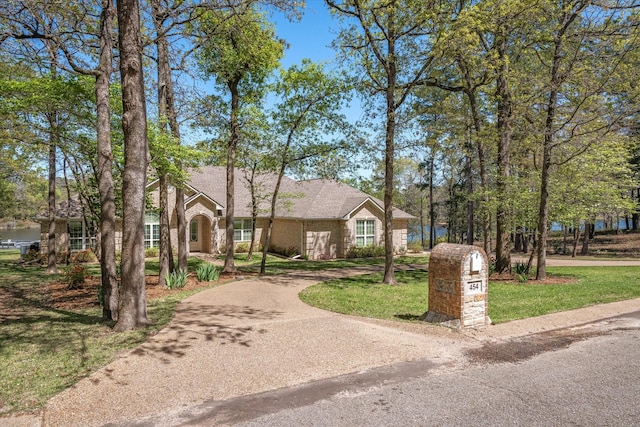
(19, 225)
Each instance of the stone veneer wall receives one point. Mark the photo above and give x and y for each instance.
(451, 299)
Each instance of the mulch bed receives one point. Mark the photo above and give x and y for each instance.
(86, 295)
(550, 280)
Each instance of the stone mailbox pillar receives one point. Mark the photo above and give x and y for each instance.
(458, 279)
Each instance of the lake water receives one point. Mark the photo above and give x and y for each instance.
(20, 235)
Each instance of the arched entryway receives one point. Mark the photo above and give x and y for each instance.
(200, 234)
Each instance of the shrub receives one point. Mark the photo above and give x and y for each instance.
(151, 252)
(415, 247)
(370, 251)
(74, 275)
(520, 268)
(177, 279)
(242, 248)
(208, 273)
(84, 256)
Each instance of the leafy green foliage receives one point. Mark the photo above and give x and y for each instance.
(370, 251)
(208, 272)
(177, 279)
(74, 275)
(238, 46)
(84, 256)
(151, 252)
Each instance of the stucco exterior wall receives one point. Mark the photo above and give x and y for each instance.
(287, 233)
(323, 239)
(400, 233)
(261, 225)
(368, 211)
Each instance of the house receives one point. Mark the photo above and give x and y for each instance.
(72, 231)
(317, 218)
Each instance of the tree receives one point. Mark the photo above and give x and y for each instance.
(21, 187)
(133, 306)
(306, 117)
(240, 50)
(581, 37)
(65, 31)
(390, 46)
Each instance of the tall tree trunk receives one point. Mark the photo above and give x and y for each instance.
(422, 239)
(108, 268)
(505, 119)
(576, 239)
(432, 211)
(133, 306)
(555, 79)
(389, 152)
(470, 91)
(274, 198)
(165, 242)
(254, 210)
(229, 266)
(164, 74)
(52, 267)
(588, 232)
(469, 178)
(167, 115)
(181, 219)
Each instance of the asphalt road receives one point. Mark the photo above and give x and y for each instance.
(583, 376)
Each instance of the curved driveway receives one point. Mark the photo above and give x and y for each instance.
(255, 335)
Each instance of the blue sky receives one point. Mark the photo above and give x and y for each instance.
(310, 37)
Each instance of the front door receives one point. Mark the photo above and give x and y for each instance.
(200, 234)
(195, 240)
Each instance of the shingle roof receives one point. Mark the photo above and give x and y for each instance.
(64, 209)
(310, 199)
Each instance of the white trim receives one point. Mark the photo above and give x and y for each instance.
(195, 196)
(368, 199)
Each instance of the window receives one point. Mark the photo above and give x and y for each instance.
(365, 233)
(151, 230)
(79, 237)
(242, 230)
(193, 227)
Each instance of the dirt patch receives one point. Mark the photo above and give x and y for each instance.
(86, 295)
(520, 349)
(550, 280)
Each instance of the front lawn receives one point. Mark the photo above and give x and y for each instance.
(366, 296)
(45, 347)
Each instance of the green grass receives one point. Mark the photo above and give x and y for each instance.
(45, 350)
(365, 296)
(594, 285)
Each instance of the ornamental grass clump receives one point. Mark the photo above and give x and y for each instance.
(208, 273)
(177, 279)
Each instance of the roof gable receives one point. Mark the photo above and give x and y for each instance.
(308, 199)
